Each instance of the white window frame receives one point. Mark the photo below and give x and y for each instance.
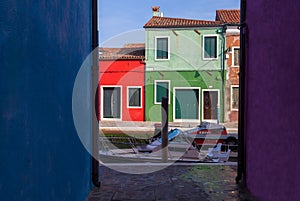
(232, 86)
(232, 55)
(174, 109)
(121, 97)
(141, 98)
(202, 110)
(169, 90)
(203, 49)
(155, 49)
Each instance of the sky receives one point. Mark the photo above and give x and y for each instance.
(122, 21)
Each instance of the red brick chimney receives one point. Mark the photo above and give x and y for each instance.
(155, 11)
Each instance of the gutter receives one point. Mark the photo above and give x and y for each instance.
(233, 32)
(223, 70)
(183, 27)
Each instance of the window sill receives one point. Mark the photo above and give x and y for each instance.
(133, 107)
(210, 59)
(161, 59)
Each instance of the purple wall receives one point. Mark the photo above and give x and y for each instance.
(272, 113)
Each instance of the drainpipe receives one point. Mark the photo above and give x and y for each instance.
(241, 171)
(95, 82)
(223, 70)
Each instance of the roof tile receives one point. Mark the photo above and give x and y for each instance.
(164, 22)
(228, 16)
(129, 51)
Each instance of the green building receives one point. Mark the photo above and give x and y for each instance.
(184, 61)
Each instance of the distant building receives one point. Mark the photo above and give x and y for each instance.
(232, 20)
(122, 83)
(184, 61)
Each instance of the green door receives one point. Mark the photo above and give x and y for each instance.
(187, 104)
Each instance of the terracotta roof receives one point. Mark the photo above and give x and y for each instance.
(228, 16)
(129, 51)
(135, 45)
(164, 22)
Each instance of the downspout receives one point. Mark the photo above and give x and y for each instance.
(145, 73)
(241, 171)
(223, 70)
(95, 82)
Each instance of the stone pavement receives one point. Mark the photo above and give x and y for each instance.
(130, 126)
(151, 124)
(178, 182)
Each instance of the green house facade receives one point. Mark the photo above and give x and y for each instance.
(184, 62)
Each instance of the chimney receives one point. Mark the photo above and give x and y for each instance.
(155, 11)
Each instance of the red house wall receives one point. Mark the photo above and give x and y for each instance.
(233, 41)
(124, 73)
(233, 77)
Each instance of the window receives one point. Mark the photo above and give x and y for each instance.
(134, 97)
(161, 89)
(210, 47)
(162, 48)
(234, 97)
(235, 56)
(111, 102)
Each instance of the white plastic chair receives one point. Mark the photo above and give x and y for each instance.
(224, 156)
(214, 152)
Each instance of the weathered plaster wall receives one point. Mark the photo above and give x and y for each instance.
(186, 61)
(272, 99)
(186, 50)
(205, 80)
(233, 72)
(232, 77)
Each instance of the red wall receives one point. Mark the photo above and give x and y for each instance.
(124, 73)
(233, 74)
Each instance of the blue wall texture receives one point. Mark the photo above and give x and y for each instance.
(43, 44)
(272, 99)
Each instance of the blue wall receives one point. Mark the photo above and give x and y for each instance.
(272, 110)
(43, 44)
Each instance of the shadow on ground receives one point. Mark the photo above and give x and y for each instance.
(176, 182)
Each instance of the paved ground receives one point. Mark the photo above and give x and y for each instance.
(178, 182)
(229, 125)
(114, 127)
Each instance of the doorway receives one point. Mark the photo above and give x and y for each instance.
(210, 105)
(186, 104)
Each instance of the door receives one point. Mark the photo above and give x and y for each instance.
(210, 105)
(111, 102)
(186, 104)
